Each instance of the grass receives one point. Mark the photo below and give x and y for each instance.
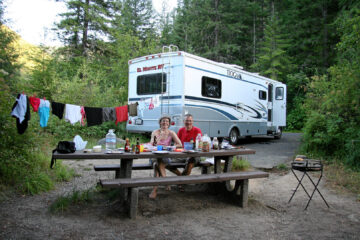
(76, 197)
(240, 164)
(282, 167)
(341, 178)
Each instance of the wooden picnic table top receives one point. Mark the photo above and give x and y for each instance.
(103, 155)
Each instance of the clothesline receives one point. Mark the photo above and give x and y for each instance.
(71, 113)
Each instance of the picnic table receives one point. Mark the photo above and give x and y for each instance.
(129, 185)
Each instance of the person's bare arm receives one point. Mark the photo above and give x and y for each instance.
(153, 134)
(176, 139)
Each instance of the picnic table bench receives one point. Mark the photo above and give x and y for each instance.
(240, 191)
(129, 186)
(205, 167)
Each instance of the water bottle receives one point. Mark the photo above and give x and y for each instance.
(110, 140)
(198, 140)
(215, 143)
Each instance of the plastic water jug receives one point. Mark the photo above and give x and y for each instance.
(110, 139)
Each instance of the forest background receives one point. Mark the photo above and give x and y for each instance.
(312, 46)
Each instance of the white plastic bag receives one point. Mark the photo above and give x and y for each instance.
(79, 143)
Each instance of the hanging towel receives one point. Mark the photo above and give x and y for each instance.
(35, 102)
(121, 114)
(72, 113)
(109, 114)
(57, 109)
(44, 112)
(133, 109)
(20, 107)
(21, 127)
(83, 116)
(151, 105)
(93, 116)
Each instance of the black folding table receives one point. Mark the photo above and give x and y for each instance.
(305, 166)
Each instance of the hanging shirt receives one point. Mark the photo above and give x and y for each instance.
(121, 114)
(44, 112)
(83, 116)
(20, 107)
(93, 116)
(35, 102)
(133, 109)
(57, 109)
(109, 114)
(72, 113)
(21, 127)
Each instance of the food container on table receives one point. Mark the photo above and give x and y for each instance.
(188, 146)
(97, 148)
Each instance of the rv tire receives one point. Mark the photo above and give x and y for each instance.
(234, 136)
(278, 134)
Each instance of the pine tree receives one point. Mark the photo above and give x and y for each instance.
(134, 17)
(84, 24)
(273, 60)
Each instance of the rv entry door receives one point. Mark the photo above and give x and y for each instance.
(279, 105)
(270, 103)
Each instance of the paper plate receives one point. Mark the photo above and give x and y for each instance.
(161, 152)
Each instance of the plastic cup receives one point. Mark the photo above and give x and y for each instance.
(159, 147)
(188, 146)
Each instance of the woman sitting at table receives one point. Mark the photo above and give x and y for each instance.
(164, 136)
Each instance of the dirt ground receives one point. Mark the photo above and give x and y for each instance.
(193, 214)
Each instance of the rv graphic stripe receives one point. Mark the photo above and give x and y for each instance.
(252, 110)
(210, 100)
(223, 75)
(231, 117)
(161, 97)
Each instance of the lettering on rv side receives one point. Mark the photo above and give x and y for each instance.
(144, 69)
(234, 74)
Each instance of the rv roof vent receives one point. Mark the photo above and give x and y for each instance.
(237, 66)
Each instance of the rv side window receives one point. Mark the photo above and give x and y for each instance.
(151, 84)
(262, 95)
(279, 93)
(210, 87)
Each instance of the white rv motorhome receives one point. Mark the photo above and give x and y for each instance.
(225, 100)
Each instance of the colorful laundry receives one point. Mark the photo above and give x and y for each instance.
(133, 109)
(44, 112)
(35, 102)
(57, 109)
(20, 107)
(21, 125)
(121, 114)
(109, 114)
(72, 113)
(83, 116)
(93, 116)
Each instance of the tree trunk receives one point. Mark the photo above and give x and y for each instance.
(254, 36)
(86, 26)
(325, 36)
(216, 31)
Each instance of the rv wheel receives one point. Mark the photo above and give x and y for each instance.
(234, 136)
(278, 134)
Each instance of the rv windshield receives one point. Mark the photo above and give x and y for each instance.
(151, 84)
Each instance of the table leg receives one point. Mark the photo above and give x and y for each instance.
(241, 192)
(217, 164)
(125, 172)
(227, 168)
(298, 185)
(316, 189)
